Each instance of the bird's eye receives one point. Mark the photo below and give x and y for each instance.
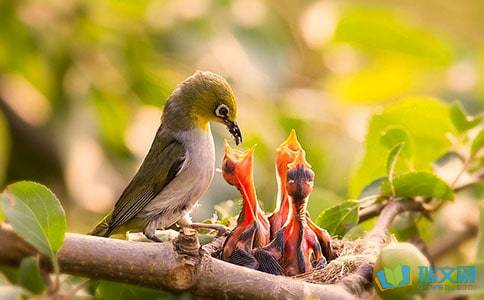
(222, 111)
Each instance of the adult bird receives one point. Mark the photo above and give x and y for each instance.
(180, 164)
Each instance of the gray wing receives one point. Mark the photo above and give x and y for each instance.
(162, 164)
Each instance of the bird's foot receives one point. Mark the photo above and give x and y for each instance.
(221, 229)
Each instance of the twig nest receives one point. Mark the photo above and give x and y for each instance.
(351, 254)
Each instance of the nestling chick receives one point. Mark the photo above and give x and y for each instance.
(180, 164)
(252, 228)
(296, 248)
(285, 154)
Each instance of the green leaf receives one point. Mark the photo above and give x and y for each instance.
(108, 290)
(425, 120)
(373, 188)
(477, 143)
(414, 184)
(391, 162)
(338, 219)
(461, 120)
(29, 276)
(404, 226)
(392, 159)
(394, 135)
(36, 215)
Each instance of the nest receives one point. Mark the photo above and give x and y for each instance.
(351, 254)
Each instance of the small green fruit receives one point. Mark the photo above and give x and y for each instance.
(398, 266)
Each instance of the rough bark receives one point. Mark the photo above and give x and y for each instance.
(182, 266)
(161, 266)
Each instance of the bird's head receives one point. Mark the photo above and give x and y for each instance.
(237, 165)
(287, 152)
(212, 100)
(300, 178)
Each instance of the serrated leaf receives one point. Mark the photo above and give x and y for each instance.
(421, 183)
(462, 122)
(338, 219)
(427, 123)
(477, 143)
(36, 215)
(29, 276)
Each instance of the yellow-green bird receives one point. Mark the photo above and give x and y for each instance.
(180, 164)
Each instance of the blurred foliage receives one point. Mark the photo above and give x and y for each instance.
(4, 147)
(118, 291)
(426, 133)
(29, 276)
(94, 76)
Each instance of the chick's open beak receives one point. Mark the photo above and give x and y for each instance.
(234, 130)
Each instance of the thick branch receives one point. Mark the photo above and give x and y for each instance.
(158, 265)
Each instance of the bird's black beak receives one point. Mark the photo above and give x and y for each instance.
(234, 130)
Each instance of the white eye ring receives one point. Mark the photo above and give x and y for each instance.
(222, 111)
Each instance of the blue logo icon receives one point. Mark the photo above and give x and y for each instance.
(400, 276)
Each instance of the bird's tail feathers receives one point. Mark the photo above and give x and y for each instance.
(102, 229)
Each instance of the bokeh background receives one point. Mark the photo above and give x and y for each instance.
(83, 83)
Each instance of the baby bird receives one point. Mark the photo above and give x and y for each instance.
(252, 228)
(296, 248)
(180, 164)
(285, 155)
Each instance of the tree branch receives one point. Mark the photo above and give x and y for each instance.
(161, 266)
(360, 281)
(452, 240)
